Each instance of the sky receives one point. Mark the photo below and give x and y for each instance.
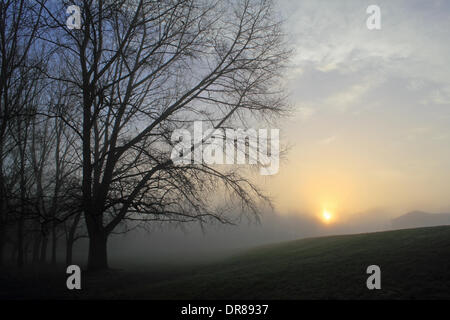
(371, 124)
(369, 136)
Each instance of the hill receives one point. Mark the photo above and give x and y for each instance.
(415, 264)
(418, 219)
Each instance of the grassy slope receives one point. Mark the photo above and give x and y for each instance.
(414, 263)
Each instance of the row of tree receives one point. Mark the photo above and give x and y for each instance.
(87, 115)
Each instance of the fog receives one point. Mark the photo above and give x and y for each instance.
(190, 244)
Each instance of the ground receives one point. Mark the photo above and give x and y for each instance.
(415, 264)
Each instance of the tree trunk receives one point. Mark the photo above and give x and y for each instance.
(54, 243)
(36, 247)
(25, 252)
(43, 256)
(71, 239)
(98, 259)
(2, 244)
(20, 244)
(69, 252)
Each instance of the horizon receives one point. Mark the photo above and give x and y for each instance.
(371, 124)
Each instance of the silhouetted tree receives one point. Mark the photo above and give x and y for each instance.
(19, 26)
(87, 114)
(141, 69)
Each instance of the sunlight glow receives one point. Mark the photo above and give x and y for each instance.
(327, 216)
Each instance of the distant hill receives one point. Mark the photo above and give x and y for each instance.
(417, 219)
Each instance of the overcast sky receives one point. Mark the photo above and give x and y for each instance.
(372, 108)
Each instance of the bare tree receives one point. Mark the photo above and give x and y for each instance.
(19, 25)
(55, 163)
(73, 233)
(141, 69)
(35, 149)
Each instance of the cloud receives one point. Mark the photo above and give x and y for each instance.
(327, 140)
(440, 96)
(305, 113)
(344, 100)
(332, 36)
(377, 100)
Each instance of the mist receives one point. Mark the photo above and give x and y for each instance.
(189, 243)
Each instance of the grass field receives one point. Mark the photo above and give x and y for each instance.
(415, 264)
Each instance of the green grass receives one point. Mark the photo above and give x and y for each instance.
(415, 264)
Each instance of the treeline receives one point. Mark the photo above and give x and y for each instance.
(86, 116)
(40, 185)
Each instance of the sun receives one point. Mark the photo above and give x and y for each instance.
(327, 216)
